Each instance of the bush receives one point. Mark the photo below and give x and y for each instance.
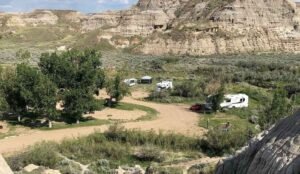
(41, 154)
(202, 169)
(187, 89)
(93, 147)
(218, 142)
(165, 141)
(149, 153)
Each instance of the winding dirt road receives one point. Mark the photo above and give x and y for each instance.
(173, 118)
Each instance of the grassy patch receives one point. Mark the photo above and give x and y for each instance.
(63, 125)
(151, 113)
(109, 149)
(220, 119)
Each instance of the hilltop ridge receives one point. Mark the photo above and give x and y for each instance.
(184, 27)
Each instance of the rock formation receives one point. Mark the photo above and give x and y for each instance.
(277, 152)
(183, 26)
(4, 168)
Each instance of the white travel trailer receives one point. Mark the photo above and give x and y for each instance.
(235, 101)
(131, 82)
(164, 85)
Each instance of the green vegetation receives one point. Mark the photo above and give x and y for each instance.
(280, 107)
(116, 89)
(109, 150)
(71, 77)
(151, 113)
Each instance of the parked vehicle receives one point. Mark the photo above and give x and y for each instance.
(146, 80)
(202, 108)
(131, 82)
(164, 85)
(235, 101)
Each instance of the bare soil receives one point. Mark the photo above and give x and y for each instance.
(115, 114)
(171, 118)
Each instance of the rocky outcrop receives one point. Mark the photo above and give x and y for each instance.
(38, 17)
(278, 152)
(183, 26)
(4, 168)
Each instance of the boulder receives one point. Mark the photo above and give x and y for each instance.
(275, 152)
(31, 167)
(4, 168)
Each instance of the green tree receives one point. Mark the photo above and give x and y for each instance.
(280, 107)
(116, 89)
(79, 74)
(44, 98)
(217, 99)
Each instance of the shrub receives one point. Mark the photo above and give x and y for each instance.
(41, 154)
(149, 153)
(218, 141)
(93, 147)
(166, 141)
(188, 89)
(202, 169)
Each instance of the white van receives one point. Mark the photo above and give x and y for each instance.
(235, 101)
(131, 82)
(164, 85)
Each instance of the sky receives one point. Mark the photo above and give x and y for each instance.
(85, 6)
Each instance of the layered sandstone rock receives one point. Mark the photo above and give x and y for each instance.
(4, 168)
(183, 26)
(277, 152)
(38, 17)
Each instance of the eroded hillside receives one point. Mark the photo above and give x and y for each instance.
(186, 27)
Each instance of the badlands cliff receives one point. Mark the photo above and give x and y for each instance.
(186, 27)
(278, 152)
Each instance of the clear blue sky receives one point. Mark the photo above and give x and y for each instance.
(86, 6)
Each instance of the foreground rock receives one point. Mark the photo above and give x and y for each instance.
(4, 168)
(278, 152)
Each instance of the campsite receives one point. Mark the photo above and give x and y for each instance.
(149, 86)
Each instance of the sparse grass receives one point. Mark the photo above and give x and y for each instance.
(109, 149)
(220, 119)
(151, 113)
(62, 125)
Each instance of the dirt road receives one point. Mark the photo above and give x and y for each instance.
(175, 118)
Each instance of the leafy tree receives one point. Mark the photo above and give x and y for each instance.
(13, 91)
(116, 89)
(79, 74)
(44, 97)
(217, 99)
(280, 107)
(78, 101)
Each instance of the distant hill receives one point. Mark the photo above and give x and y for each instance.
(185, 27)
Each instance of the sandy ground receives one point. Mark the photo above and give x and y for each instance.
(171, 117)
(115, 114)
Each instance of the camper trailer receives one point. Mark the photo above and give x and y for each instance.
(146, 80)
(131, 82)
(164, 85)
(235, 101)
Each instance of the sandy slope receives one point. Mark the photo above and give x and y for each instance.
(175, 118)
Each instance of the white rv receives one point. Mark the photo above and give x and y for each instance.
(164, 85)
(131, 82)
(235, 101)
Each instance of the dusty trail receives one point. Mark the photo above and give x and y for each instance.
(175, 118)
